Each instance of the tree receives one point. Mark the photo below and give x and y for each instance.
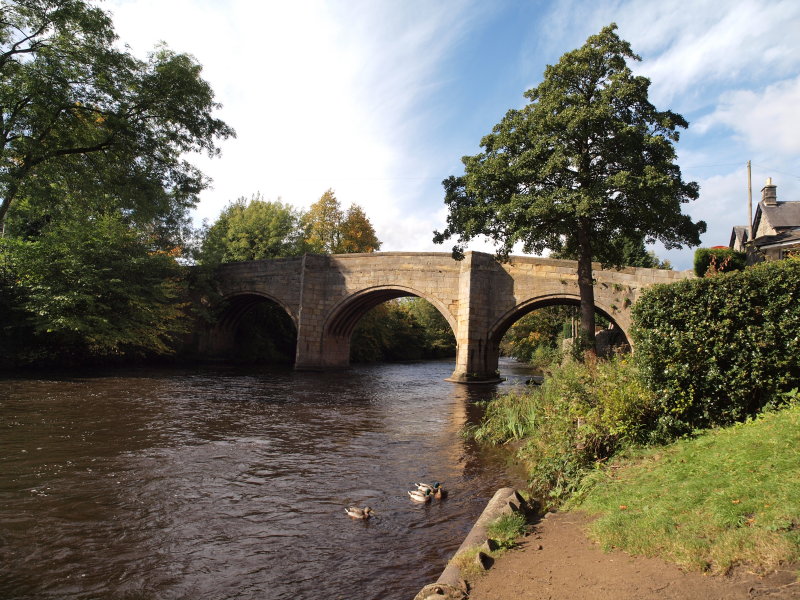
(252, 230)
(589, 159)
(92, 286)
(322, 224)
(80, 114)
(632, 253)
(327, 230)
(357, 233)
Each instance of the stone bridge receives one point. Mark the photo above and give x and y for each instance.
(326, 296)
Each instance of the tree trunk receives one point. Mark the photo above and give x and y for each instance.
(586, 289)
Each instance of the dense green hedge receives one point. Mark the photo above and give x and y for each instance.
(724, 259)
(716, 350)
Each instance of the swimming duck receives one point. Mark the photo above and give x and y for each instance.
(440, 493)
(358, 513)
(422, 487)
(420, 496)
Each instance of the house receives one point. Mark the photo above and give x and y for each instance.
(775, 230)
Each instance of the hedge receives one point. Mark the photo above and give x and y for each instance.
(717, 350)
(725, 260)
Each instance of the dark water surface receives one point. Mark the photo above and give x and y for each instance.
(222, 483)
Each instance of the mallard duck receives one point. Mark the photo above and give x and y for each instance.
(440, 493)
(358, 513)
(423, 487)
(420, 496)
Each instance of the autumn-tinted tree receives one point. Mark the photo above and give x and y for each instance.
(328, 230)
(588, 159)
(356, 233)
(78, 113)
(322, 225)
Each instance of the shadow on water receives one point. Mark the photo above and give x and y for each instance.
(231, 482)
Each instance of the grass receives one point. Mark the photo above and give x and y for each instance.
(504, 530)
(726, 497)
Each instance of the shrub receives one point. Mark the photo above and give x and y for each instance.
(718, 260)
(715, 350)
(582, 414)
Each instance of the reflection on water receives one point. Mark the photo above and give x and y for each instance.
(231, 483)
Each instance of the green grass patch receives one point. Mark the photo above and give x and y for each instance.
(728, 496)
(506, 528)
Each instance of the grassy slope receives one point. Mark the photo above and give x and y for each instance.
(729, 496)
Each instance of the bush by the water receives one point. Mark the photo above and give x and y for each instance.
(716, 350)
(582, 414)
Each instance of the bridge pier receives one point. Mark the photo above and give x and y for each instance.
(477, 357)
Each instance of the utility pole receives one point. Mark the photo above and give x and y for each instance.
(749, 204)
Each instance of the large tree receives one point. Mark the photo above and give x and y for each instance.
(587, 160)
(77, 112)
(252, 229)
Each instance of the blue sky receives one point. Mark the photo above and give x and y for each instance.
(379, 100)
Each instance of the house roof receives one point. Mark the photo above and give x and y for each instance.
(779, 216)
(739, 232)
(784, 238)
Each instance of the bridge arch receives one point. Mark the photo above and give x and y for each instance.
(234, 307)
(505, 321)
(343, 317)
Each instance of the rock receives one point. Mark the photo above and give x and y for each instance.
(440, 591)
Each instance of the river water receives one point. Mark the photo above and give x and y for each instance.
(222, 482)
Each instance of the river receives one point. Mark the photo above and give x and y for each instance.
(228, 482)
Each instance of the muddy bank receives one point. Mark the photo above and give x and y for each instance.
(557, 561)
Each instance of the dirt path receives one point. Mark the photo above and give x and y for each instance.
(557, 562)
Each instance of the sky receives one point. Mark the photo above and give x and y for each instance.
(379, 100)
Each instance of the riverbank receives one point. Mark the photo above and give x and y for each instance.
(714, 516)
(557, 561)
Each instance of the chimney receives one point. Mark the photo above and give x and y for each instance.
(769, 194)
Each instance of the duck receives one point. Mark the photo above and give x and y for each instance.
(422, 487)
(359, 513)
(440, 493)
(420, 496)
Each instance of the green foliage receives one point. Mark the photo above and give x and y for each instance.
(439, 339)
(582, 414)
(506, 529)
(717, 350)
(538, 334)
(252, 229)
(588, 160)
(407, 329)
(80, 114)
(728, 496)
(710, 261)
(631, 250)
(91, 287)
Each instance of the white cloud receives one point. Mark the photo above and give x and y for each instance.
(689, 48)
(321, 94)
(765, 120)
